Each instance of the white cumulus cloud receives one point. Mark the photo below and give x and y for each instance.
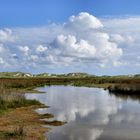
(1, 60)
(82, 41)
(84, 21)
(6, 35)
(24, 49)
(41, 49)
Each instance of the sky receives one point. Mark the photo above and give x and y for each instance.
(61, 36)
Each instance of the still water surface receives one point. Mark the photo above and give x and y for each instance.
(90, 113)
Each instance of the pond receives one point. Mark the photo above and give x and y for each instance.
(90, 113)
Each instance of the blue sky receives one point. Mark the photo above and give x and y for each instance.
(60, 36)
(39, 12)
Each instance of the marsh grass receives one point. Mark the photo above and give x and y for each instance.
(18, 133)
(132, 88)
(15, 100)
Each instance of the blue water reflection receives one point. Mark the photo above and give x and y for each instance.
(91, 113)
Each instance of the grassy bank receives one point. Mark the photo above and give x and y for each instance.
(21, 123)
(17, 116)
(18, 120)
(30, 83)
(133, 88)
(15, 100)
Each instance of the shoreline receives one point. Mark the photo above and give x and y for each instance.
(27, 120)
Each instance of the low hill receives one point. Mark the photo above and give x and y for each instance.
(14, 74)
(73, 75)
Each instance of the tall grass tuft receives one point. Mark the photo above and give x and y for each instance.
(15, 100)
(3, 104)
(18, 133)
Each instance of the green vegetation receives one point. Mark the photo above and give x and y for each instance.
(14, 100)
(133, 88)
(42, 75)
(68, 75)
(15, 75)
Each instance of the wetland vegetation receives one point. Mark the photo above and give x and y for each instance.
(17, 114)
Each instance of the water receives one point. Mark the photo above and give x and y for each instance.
(90, 113)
